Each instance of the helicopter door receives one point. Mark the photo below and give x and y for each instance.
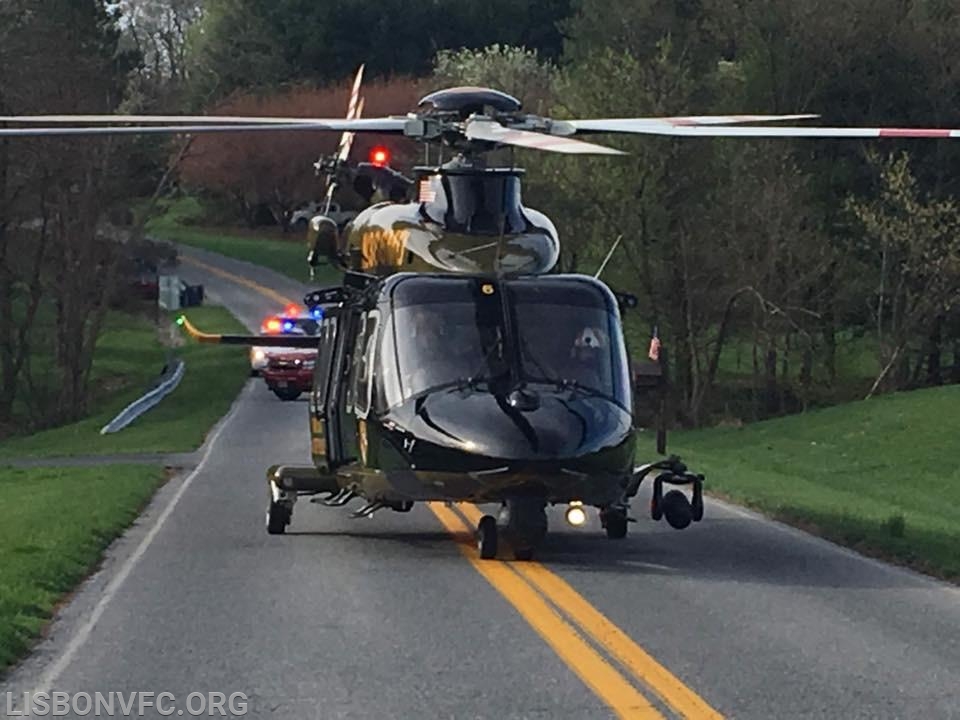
(354, 401)
(323, 384)
(361, 380)
(328, 396)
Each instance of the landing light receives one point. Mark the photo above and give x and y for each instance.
(575, 514)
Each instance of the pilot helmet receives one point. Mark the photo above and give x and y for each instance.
(426, 323)
(588, 344)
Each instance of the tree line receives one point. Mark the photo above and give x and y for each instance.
(779, 274)
(57, 267)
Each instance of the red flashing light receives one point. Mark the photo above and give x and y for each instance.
(292, 310)
(273, 325)
(379, 156)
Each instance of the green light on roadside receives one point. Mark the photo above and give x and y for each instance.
(180, 320)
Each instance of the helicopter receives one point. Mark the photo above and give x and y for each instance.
(454, 362)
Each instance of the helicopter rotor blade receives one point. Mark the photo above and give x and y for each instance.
(162, 119)
(796, 132)
(492, 131)
(352, 107)
(642, 125)
(354, 110)
(346, 140)
(375, 125)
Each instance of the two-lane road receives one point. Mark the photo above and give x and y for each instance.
(395, 617)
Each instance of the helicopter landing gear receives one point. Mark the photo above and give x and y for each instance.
(614, 521)
(287, 482)
(278, 517)
(487, 537)
(674, 506)
(524, 520)
(279, 510)
(286, 394)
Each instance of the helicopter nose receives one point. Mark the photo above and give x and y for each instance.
(522, 425)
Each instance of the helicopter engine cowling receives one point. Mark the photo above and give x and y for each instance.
(467, 221)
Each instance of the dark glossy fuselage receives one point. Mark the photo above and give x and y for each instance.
(467, 222)
(490, 440)
(471, 445)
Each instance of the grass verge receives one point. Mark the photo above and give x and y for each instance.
(213, 376)
(41, 560)
(881, 476)
(287, 254)
(127, 357)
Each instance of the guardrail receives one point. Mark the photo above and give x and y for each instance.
(135, 409)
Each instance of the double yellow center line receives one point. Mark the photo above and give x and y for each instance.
(567, 622)
(579, 633)
(257, 287)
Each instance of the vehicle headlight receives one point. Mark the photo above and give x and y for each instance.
(258, 355)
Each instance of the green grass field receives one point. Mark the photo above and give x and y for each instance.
(134, 355)
(56, 524)
(882, 476)
(285, 254)
(126, 357)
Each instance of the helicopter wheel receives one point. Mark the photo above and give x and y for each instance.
(286, 394)
(487, 537)
(279, 515)
(523, 553)
(525, 521)
(615, 523)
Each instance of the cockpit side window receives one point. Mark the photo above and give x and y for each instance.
(387, 391)
(361, 384)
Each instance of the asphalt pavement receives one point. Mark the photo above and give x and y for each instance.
(394, 616)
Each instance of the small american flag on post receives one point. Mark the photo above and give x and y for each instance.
(654, 352)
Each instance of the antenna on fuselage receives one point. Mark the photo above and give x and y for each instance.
(609, 255)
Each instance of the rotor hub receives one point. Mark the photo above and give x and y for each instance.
(466, 101)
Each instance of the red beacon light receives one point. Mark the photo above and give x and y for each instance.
(292, 310)
(379, 156)
(273, 325)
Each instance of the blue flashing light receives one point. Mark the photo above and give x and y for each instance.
(287, 326)
(317, 312)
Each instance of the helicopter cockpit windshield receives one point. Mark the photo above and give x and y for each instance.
(455, 332)
(568, 334)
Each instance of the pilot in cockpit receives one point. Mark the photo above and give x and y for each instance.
(587, 356)
(438, 354)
